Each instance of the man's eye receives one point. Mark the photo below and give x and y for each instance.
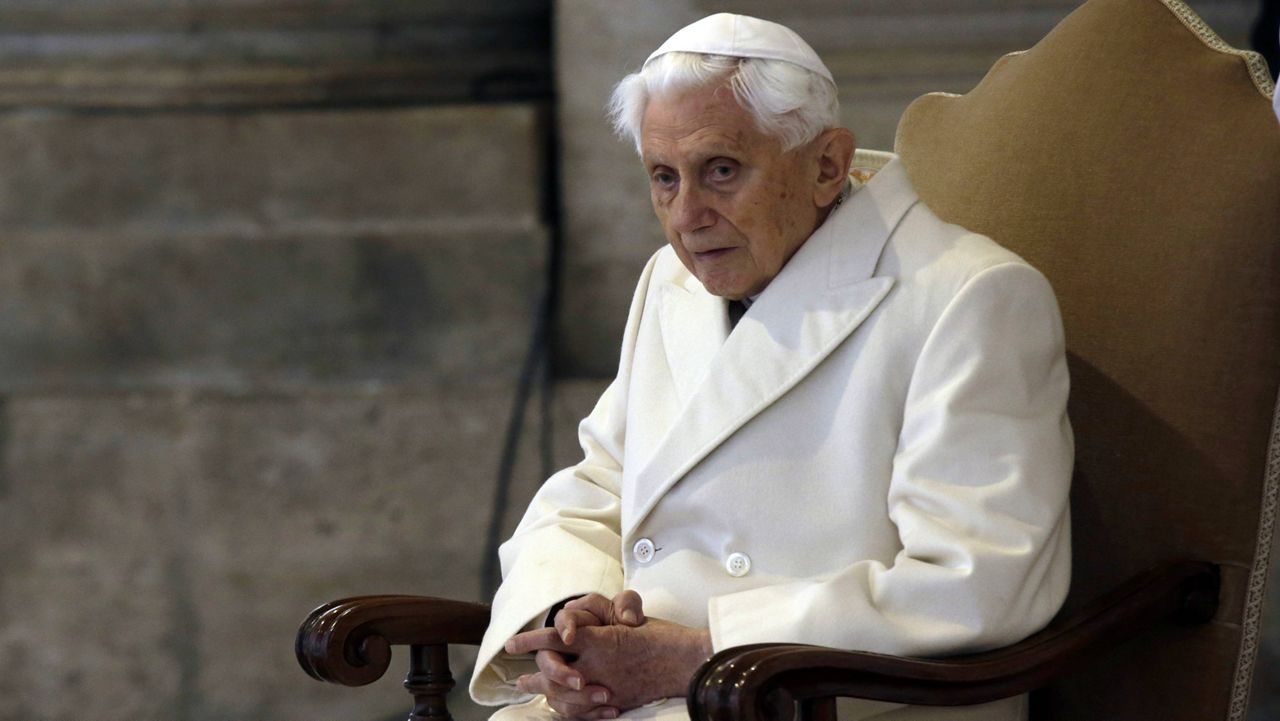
(664, 179)
(723, 171)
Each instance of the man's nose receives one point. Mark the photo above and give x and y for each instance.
(690, 210)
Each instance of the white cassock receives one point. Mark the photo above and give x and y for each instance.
(1275, 103)
(877, 458)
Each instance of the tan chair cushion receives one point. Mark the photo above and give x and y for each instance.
(1135, 159)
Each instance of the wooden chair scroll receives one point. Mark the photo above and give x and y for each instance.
(349, 642)
(763, 682)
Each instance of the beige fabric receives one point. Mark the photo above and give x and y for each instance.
(1136, 161)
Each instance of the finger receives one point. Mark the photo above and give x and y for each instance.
(532, 683)
(593, 603)
(553, 666)
(535, 640)
(589, 697)
(588, 703)
(628, 608)
(582, 713)
(568, 620)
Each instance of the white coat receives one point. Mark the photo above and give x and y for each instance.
(877, 457)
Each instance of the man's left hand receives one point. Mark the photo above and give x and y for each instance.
(637, 665)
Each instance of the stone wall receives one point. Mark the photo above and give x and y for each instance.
(219, 53)
(268, 272)
(250, 363)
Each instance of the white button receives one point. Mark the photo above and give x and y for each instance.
(643, 550)
(738, 564)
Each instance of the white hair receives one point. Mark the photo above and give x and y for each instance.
(787, 101)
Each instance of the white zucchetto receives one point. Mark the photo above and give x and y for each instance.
(742, 36)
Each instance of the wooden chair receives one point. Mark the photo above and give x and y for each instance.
(1134, 158)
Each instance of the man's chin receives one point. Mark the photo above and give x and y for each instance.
(717, 288)
(727, 283)
(727, 294)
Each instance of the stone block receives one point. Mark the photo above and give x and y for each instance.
(161, 549)
(304, 500)
(250, 69)
(409, 307)
(571, 400)
(255, 171)
(162, 55)
(609, 228)
(90, 15)
(93, 607)
(931, 25)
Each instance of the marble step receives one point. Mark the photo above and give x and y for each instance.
(160, 549)
(270, 170)
(332, 307)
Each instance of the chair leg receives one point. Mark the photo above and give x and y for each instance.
(429, 681)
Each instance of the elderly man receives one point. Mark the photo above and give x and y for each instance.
(837, 420)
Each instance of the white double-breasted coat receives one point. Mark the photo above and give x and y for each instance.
(877, 457)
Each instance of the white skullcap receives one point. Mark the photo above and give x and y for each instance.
(742, 36)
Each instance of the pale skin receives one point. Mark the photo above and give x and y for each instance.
(734, 207)
(603, 656)
(732, 204)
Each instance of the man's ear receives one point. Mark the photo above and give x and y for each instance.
(835, 154)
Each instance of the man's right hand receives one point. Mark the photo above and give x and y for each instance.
(593, 609)
(565, 688)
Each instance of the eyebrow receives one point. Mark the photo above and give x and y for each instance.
(717, 151)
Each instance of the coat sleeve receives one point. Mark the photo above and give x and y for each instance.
(978, 493)
(569, 541)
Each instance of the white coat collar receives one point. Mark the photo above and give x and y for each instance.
(724, 379)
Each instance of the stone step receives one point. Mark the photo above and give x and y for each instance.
(271, 169)
(335, 307)
(196, 15)
(496, 74)
(161, 549)
(143, 54)
(932, 25)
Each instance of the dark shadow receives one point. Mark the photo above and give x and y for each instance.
(1266, 34)
(1142, 494)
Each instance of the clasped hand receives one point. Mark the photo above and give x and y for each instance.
(603, 657)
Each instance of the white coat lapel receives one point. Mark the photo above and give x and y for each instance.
(694, 327)
(823, 293)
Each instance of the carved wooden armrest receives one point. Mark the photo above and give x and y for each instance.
(763, 682)
(349, 642)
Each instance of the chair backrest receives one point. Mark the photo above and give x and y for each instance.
(1134, 158)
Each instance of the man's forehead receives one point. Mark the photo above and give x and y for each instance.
(695, 123)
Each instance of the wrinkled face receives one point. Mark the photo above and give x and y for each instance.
(732, 204)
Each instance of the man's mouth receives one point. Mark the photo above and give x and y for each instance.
(712, 254)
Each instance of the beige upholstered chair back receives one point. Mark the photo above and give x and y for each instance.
(1134, 158)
